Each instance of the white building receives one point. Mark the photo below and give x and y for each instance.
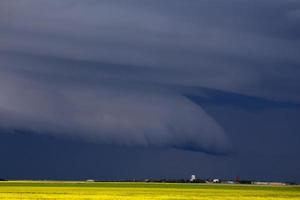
(193, 178)
(216, 180)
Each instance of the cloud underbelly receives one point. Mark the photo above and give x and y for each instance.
(112, 115)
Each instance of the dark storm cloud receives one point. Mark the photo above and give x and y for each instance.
(103, 111)
(232, 45)
(114, 70)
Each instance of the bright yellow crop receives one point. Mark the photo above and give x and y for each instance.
(140, 191)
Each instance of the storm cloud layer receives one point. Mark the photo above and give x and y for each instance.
(108, 114)
(118, 71)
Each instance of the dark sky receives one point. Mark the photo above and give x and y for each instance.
(150, 89)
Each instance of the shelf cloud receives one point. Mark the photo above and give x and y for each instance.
(116, 71)
(108, 114)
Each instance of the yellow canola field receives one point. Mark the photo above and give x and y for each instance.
(142, 191)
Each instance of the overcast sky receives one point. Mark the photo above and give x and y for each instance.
(204, 87)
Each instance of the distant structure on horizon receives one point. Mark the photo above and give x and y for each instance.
(193, 178)
(216, 180)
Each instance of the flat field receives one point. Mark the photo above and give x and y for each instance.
(31, 190)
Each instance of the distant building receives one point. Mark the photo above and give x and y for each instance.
(229, 182)
(193, 178)
(216, 180)
(269, 183)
